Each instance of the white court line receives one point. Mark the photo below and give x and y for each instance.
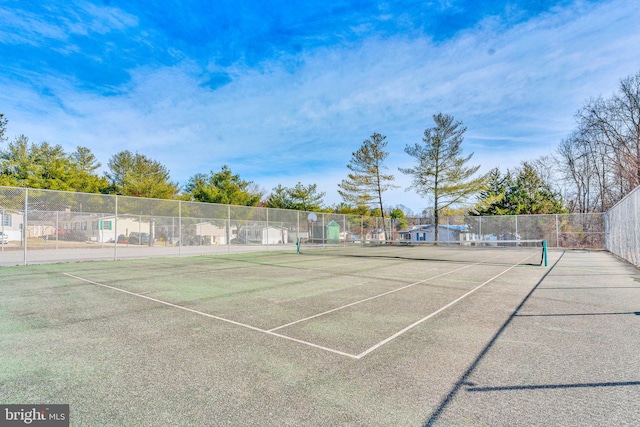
(342, 353)
(413, 325)
(369, 299)
(270, 332)
(165, 303)
(330, 272)
(222, 319)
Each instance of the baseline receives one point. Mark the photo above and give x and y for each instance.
(310, 344)
(222, 319)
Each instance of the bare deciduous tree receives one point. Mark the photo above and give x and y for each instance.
(601, 159)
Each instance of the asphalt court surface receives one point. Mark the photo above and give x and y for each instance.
(291, 340)
(311, 299)
(568, 356)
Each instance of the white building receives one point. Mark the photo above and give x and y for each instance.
(211, 233)
(426, 233)
(264, 235)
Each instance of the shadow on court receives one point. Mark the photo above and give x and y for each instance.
(288, 340)
(585, 335)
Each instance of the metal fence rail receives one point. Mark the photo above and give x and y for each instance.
(45, 226)
(622, 223)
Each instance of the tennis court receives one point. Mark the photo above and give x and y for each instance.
(381, 336)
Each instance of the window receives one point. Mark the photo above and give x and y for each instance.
(105, 225)
(6, 220)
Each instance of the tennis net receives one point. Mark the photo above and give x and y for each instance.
(511, 252)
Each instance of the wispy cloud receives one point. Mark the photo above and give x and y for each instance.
(299, 114)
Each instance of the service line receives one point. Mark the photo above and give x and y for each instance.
(370, 298)
(310, 344)
(424, 319)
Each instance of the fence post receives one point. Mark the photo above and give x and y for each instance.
(115, 231)
(606, 231)
(25, 224)
(323, 237)
(636, 261)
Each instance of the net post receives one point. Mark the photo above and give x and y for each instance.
(544, 252)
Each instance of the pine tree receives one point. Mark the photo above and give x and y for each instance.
(525, 194)
(137, 175)
(440, 171)
(366, 183)
(300, 197)
(223, 187)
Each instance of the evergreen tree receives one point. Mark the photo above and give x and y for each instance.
(491, 200)
(531, 195)
(400, 220)
(86, 178)
(47, 166)
(43, 165)
(280, 198)
(300, 197)
(137, 175)
(3, 127)
(222, 187)
(366, 183)
(525, 194)
(440, 170)
(18, 167)
(55, 166)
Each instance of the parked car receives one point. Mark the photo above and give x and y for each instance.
(186, 241)
(4, 239)
(138, 238)
(239, 241)
(68, 235)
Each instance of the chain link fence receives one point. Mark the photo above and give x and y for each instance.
(622, 222)
(45, 226)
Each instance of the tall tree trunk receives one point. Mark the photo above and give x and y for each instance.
(384, 226)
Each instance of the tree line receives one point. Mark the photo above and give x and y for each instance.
(600, 161)
(592, 169)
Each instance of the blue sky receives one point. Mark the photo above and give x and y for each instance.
(284, 91)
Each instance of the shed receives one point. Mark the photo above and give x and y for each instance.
(333, 232)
